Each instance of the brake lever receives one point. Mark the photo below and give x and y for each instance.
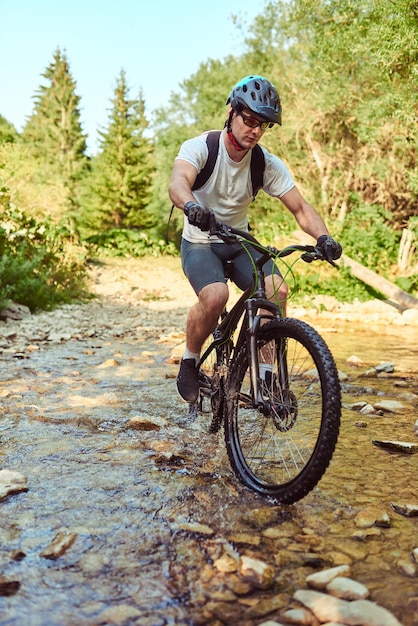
(316, 255)
(222, 231)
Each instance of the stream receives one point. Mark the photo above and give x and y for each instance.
(129, 513)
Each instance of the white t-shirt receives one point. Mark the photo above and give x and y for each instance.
(228, 191)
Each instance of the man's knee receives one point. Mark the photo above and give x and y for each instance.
(214, 297)
(276, 288)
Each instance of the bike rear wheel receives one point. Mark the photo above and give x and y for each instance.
(284, 452)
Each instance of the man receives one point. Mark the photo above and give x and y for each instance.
(254, 106)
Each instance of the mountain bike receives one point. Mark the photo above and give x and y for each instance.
(272, 382)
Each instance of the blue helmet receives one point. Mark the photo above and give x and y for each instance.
(259, 95)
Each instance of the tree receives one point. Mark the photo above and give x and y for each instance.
(124, 167)
(8, 133)
(54, 131)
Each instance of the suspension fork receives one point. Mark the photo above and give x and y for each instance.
(252, 321)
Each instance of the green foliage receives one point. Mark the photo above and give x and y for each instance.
(53, 133)
(8, 133)
(126, 242)
(369, 239)
(54, 128)
(123, 170)
(338, 283)
(31, 184)
(408, 283)
(346, 71)
(40, 265)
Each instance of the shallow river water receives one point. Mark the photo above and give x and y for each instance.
(144, 503)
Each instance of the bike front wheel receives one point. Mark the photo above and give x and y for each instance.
(283, 450)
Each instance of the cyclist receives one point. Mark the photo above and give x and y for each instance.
(254, 105)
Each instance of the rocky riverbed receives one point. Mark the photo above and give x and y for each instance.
(118, 508)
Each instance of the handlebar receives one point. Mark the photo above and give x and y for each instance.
(228, 234)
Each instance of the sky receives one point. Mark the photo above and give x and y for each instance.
(158, 43)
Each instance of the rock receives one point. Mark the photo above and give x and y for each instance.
(386, 366)
(389, 406)
(354, 360)
(120, 614)
(356, 613)
(319, 580)
(357, 406)
(245, 538)
(415, 554)
(347, 589)
(404, 447)
(200, 529)
(407, 567)
(367, 409)
(14, 312)
(226, 612)
(258, 573)
(408, 396)
(370, 373)
(363, 535)
(408, 510)
(143, 423)
(59, 545)
(225, 564)
(12, 482)
(260, 518)
(264, 607)
(8, 587)
(410, 317)
(372, 516)
(109, 363)
(303, 617)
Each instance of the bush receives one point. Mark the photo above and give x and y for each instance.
(41, 265)
(127, 242)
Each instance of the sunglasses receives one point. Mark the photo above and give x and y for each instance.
(252, 122)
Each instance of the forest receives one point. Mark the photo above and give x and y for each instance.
(347, 75)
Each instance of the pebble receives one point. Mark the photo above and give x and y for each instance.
(347, 589)
(60, 544)
(372, 516)
(12, 482)
(358, 612)
(258, 573)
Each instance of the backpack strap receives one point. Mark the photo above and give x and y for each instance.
(212, 140)
(257, 163)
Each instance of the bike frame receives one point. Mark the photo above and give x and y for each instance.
(251, 301)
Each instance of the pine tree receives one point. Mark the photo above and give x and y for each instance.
(8, 133)
(124, 167)
(54, 130)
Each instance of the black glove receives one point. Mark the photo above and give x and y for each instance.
(329, 248)
(199, 215)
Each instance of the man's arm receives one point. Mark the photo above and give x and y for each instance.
(306, 216)
(312, 223)
(182, 179)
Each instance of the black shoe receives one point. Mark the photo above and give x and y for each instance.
(188, 380)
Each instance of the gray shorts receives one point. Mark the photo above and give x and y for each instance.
(206, 263)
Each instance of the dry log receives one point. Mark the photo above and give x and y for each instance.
(369, 277)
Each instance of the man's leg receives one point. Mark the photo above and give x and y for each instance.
(201, 322)
(204, 315)
(277, 291)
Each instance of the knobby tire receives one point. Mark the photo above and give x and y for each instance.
(284, 454)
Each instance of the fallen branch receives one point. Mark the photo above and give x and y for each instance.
(369, 277)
